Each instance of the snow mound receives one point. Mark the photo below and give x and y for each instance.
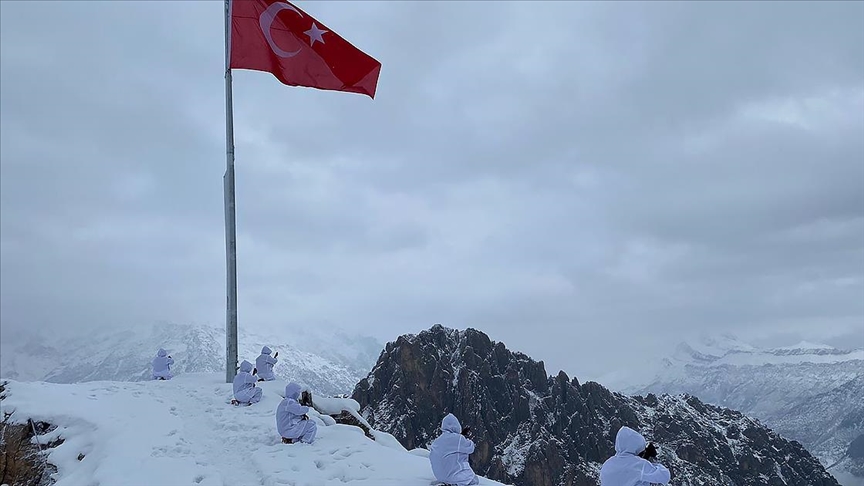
(334, 406)
(184, 432)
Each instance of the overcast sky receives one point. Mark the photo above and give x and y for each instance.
(587, 182)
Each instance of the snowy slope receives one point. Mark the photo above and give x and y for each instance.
(328, 363)
(182, 432)
(809, 392)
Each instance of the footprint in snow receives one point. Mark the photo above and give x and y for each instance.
(185, 451)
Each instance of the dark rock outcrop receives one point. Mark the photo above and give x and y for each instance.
(22, 462)
(345, 418)
(536, 430)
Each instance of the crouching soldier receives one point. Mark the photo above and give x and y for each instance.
(245, 391)
(292, 423)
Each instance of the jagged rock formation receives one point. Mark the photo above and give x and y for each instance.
(536, 430)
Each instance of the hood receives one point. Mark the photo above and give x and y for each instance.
(629, 441)
(265, 350)
(246, 366)
(162, 353)
(292, 390)
(451, 424)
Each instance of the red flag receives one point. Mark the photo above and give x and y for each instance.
(275, 36)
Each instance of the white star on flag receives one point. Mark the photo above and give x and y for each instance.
(315, 34)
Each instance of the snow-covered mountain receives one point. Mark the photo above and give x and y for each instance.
(808, 392)
(532, 429)
(184, 433)
(328, 362)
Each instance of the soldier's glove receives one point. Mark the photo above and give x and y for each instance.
(649, 453)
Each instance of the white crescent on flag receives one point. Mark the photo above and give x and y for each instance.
(266, 21)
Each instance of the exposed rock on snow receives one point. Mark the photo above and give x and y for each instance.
(536, 430)
(22, 460)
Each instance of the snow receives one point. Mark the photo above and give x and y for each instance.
(808, 392)
(516, 450)
(334, 406)
(759, 359)
(725, 354)
(184, 432)
(330, 364)
(720, 351)
(720, 345)
(807, 345)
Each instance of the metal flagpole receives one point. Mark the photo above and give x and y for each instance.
(230, 224)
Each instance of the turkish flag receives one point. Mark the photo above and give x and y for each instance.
(275, 36)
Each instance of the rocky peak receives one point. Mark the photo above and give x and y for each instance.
(537, 430)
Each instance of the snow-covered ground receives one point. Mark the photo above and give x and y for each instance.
(184, 432)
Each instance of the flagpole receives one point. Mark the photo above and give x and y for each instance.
(230, 223)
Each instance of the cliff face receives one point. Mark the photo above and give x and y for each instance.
(536, 430)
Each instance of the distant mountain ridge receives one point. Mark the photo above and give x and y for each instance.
(809, 392)
(328, 363)
(729, 351)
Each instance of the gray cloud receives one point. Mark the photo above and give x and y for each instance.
(578, 180)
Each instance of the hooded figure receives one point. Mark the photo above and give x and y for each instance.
(291, 420)
(626, 468)
(449, 455)
(265, 363)
(162, 365)
(245, 390)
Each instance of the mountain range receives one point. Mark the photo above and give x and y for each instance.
(329, 362)
(532, 429)
(808, 392)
